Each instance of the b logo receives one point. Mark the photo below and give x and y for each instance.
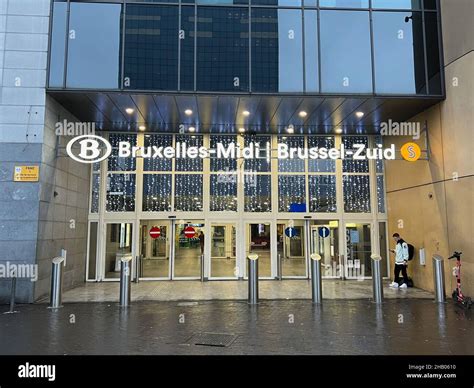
(90, 149)
(411, 152)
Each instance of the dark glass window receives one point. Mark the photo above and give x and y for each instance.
(399, 55)
(277, 50)
(151, 47)
(187, 48)
(397, 4)
(288, 3)
(222, 49)
(432, 53)
(345, 52)
(344, 3)
(58, 45)
(311, 51)
(94, 46)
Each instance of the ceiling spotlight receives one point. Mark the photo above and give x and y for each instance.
(360, 114)
(246, 113)
(303, 114)
(338, 130)
(129, 110)
(188, 112)
(141, 127)
(241, 130)
(192, 129)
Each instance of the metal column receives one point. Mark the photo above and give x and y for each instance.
(125, 281)
(56, 283)
(438, 278)
(252, 260)
(377, 278)
(316, 279)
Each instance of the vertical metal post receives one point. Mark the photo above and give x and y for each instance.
(125, 281)
(137, 268)
(377, 278)
(56, 283)
(252, 260)
(202, 268)
(316, 279)
(12, 295)
(438, 278)
(280, 267)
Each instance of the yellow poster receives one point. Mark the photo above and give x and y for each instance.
(26, 174)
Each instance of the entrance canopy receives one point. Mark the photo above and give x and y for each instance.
(205, 113)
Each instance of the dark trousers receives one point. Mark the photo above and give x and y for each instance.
(398, 268)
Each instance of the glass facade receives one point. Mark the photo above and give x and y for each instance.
(262, 46)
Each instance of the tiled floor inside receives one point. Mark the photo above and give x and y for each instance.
(234, 290)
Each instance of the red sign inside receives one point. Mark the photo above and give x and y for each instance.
(155, 232)
(189, 232)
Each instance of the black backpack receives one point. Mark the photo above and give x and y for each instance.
(411, 252)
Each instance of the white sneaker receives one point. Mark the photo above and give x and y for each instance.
(393, 285)
(404, 285)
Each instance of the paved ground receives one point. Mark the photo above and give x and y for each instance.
(402, 326)
(234, 290)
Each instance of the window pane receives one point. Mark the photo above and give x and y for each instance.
(290, 3)
(94, 46)
(188, 192)
(432, 53)
(261, 163)
(380, 194)
(158, 164)
(223, 192)
(356, 189)
(344, 3)
(345, 52)
(187, 49)
(322, 193)
(120, 195)
(95, 193)
(349, 165)
(116, 163)
(222, 49)
(291, 190)
(58, 45)
(277, 50)
(188, 164)
(235, 2)
(258, 191)
(399, 54)
(295, 164)
(311, 51)
(221, 164)
(321, 165)
(397, 4)
(156, 192)
(151, 47)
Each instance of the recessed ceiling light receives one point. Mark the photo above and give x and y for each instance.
(241, 130)
(141, 127)
(290, 129)
(303, 113)
(360, 114)
(188, 112)
(129, 110)
(192, 129)
(338, 130)
(246, 113)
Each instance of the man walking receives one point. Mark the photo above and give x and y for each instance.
(401, 261)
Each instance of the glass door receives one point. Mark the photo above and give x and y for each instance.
(325, 242)
(118, 245)
(189, 250)
(358, 250)
(290, 248)
(155, 249)
(223, 251)
(258, 241)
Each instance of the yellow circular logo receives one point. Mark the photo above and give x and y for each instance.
(411, 152)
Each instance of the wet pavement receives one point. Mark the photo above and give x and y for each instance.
(348, 327)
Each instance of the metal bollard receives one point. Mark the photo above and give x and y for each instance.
(253, 278)
(137, 269)
(316, 278)
(56, 283)
(438, 278)
(12, 296)
(125, 281)
(202, 269)
(377, 278)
